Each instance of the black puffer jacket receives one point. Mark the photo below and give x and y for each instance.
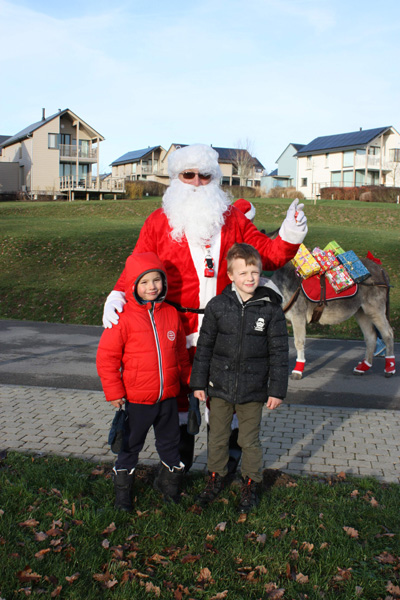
(242, 351)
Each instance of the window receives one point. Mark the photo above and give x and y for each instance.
(360, 175)
(309, 162)
(347, 178)
(225, 181)
(374, 151)
(348, 158)
(304, 182)
(335, 178)
(53, 140)
(394, 154)
(327, 160)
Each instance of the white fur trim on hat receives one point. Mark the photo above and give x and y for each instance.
(197, 156)
(246, 208)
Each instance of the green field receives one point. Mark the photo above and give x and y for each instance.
(59, 260)
(310, 538)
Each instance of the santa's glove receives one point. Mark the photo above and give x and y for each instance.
(113, 305)
(294, 227)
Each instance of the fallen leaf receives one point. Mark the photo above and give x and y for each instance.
(190, 558)
(151, 588)
(109, 529)
(374, 502)
(56, 592)
(343, 575)
(262, 538)
(220, 595)
(393, 589)
(324, 545)
(385, 558)
(306, 546)
(106, 544)
(351, 532)
(40, 555)
(341, 475)
(359, 590)
(205, 575)
(242, 518)
(354, 494)
(273, 592)
(221, 526)
(300, 578)
(41, 536)
(29, 523)
(210, 538)
(72, 578)
(27, 575)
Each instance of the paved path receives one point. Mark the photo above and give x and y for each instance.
(296, 439)
(50, 402)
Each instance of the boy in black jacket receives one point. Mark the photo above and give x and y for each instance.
(241, 362)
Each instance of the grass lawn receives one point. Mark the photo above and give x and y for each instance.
(310, 538)
(59, 260)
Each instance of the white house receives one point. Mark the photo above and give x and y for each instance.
(286, 173)
(364, 157)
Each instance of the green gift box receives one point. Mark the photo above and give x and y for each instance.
(335, 247)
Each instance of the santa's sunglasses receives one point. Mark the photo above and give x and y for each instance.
(192, 175)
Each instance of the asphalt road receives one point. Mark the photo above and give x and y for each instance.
(63, 356)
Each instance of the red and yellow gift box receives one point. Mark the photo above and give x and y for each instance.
(305, 263)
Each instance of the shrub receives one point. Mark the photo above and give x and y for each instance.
(137, 189)
(285, 192)
(365, 193)
(242, 191)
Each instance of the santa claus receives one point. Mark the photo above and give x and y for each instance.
(192, 233)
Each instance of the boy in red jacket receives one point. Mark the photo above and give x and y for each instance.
(141, 362)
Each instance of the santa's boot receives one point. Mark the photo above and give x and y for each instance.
(123, 487)
(168, 481)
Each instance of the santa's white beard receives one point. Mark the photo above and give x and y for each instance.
(195, 212)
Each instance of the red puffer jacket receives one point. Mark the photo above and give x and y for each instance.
(148, 345)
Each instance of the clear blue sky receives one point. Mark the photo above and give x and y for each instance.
(269, 72)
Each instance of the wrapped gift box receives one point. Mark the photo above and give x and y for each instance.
(335, 247)
(305, 263)
(326, 259)
(339, 278)
(354, 266)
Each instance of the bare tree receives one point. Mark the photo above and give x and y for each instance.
(243, 160)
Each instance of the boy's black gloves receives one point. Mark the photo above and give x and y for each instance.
(117, 430)
(194, 415)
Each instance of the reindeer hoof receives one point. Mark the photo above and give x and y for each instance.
(296, 375)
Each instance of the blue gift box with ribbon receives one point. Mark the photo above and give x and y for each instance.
(354, 266)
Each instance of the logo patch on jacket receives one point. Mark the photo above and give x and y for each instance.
(260, 325)
(171, 335)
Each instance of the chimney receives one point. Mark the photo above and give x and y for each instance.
(43, 114)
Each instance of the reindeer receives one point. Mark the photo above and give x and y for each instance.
(369, 306)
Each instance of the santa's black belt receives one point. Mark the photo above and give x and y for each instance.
(197, 311)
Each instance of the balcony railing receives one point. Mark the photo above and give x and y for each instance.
(111, 184)
(69, 151)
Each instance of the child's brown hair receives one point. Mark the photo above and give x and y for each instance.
(248, 253)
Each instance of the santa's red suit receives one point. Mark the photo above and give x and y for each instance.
(184, 263)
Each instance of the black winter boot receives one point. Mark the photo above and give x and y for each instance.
(168, 481)
(123, 486)
(248, 495)
(214, 486)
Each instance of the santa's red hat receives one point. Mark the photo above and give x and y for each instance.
(246, 208)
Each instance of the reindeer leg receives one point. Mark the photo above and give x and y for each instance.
(299, 333)
(381, 322)
(369, 334)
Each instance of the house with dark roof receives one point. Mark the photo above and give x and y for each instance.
(286, 173)
(141, 164)
(237, 165)
(54, 155)
(364, 157)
